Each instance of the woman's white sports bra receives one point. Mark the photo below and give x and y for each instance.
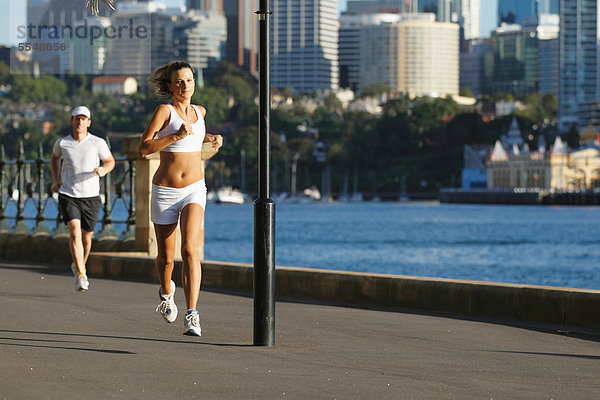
(188, 144)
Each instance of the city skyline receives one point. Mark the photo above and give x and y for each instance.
(17, 16)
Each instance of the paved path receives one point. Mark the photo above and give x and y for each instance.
(108, 343)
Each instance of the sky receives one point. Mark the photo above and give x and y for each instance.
(17, 14)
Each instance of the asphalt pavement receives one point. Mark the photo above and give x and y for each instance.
(109, 343)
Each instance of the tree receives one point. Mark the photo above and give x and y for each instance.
(26, 88)
(214, 100)
(374, 90)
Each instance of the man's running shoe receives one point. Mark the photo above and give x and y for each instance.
(167, 307)
(81, 283)
(191, 324)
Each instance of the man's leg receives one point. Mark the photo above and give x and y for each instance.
(76, 245)
(87, 244)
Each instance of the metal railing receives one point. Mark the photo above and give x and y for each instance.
(28, 182)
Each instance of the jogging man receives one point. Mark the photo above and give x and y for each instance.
(79, 187)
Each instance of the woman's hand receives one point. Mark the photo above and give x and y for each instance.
(216, 141)
(184, 130)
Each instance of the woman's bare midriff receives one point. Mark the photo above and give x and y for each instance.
(178, 170)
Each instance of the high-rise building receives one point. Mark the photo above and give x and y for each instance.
(548, 31)
(43, 14)
(413, 56)
(382, 6)
(515, 59)
(429, 6)
(36, 9)
(215, 6)
(547, 7)
(472, 66)
(468, 17)
(349, 47)
(83, 56)
(395, 6)
(522, 12)
(150, 44)
(578, 81)
(304, 53)
(446, 11)
(199, 38)
(242, 33)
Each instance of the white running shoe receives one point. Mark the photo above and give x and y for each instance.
(191, 324)
(81, 283)
(167, 307)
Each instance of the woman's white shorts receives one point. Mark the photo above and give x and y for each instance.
(168, 202)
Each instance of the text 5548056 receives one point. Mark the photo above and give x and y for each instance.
(42, 46)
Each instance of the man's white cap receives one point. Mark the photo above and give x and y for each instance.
(81, 110)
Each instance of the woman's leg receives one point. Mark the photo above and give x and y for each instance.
(191, 222)
(165, 241)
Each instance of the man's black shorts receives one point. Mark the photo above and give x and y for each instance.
(84, 209)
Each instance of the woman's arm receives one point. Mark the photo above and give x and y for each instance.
(148, 144)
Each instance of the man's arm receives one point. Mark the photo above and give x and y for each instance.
(107, 165)
(55, 168)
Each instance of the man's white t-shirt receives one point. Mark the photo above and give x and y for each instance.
(78, 178)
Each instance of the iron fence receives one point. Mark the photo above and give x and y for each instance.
(27, 200)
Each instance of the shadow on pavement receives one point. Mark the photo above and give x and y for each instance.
(83, 335)
(64, 348)
(584, 356)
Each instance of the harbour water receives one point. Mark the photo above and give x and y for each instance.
(539, 245)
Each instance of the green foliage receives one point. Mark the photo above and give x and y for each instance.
(374, 90)
(214, 100)
(28, 89)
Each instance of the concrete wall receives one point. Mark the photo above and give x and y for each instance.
(111, 259)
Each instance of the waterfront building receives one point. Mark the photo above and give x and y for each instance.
(417, 56)
(304, 52)
(559, 168)
(578, 82)
(474, 173)
(114, 85)
(349, 44)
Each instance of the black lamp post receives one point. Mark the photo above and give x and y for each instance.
(264, 207)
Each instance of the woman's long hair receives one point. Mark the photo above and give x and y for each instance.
(162, 77)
